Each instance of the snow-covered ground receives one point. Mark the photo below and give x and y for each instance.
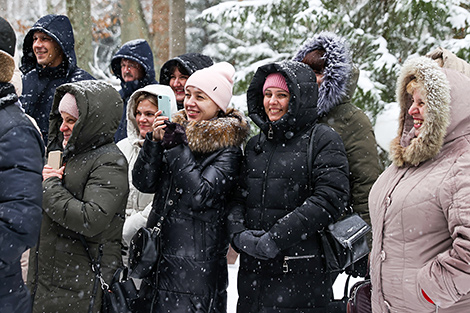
(338, 287)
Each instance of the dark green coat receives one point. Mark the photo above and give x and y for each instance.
(89, 200)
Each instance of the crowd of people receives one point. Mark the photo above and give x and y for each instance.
(84, 166)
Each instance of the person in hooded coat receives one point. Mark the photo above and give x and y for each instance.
(192, 171)
(328, 55)
(40, 82)
(21, 161)
(175, 72)
(138, 51)
(139, 122)
(420, 205)
(85, 197)
(277, 212)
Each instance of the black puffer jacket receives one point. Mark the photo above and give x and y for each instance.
(275, 197)
(195, 181)
(21, 162)
(39, 83)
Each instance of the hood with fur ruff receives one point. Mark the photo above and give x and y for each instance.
(228, 129)
(435, 86)
(338, 66)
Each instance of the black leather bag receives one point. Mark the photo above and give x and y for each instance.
(118, 297)
(345, 242)
(144, 252)
(359, 297)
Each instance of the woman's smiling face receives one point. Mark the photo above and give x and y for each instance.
(417, 110)
(276, 103)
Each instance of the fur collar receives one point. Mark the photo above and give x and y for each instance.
(338, 66)
(406, 148)
(228, 129)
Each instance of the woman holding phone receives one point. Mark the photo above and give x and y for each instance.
(143, 105)
(192, 165)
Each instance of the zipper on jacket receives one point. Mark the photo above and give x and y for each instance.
(265, 178)
(270, 132)
(285, 266)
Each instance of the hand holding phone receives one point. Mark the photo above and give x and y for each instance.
(164, 105)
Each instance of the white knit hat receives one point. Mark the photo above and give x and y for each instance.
(68, 104)
(216, 81)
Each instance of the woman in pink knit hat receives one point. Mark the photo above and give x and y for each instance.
(294, 182)
(192, 165)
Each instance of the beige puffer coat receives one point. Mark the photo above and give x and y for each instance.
(420, 206)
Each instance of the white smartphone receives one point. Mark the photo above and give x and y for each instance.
(54, 159)
(164, 104)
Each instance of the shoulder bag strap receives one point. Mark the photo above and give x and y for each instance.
(96, 268)
(310, 152)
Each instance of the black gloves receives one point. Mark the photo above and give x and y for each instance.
(174, 135)
(256, 243)
(267, 247)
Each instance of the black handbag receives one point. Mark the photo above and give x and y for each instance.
(119, 295)
(360, 297)
(344, 242)
(144, 252)
(145, 248)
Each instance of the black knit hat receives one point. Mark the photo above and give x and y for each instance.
(7, 37)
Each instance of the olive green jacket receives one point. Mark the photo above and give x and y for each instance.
(89, 200)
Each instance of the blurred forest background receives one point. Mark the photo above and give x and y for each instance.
(249, 33)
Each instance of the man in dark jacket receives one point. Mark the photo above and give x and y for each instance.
(48, 61)
(21, 161)
(133, 65)
(176, 71)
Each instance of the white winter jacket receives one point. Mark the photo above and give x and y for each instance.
(139, 204)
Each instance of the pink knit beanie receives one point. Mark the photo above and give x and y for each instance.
(276, 80)
(216, 81)
(68, 104)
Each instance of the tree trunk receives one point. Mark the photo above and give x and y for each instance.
(161, 33)
(79, 13)
(133, 24)
(177, 28)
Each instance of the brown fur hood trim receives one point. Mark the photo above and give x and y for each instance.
(8, 67)
(228, 129)
(406, 148)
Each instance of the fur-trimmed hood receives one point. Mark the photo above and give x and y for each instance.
(447, 114)
(228, 129)
(338, 65)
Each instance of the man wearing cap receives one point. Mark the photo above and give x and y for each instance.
(48, 61)
(21, 162)
(133, 65)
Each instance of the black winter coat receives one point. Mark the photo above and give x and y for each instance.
(193, 182)
(139, 51)
(39, 84)
(21, 162)
(275, 197)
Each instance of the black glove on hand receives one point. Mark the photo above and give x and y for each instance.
(174, 135)
(247, 240)
(266, 247)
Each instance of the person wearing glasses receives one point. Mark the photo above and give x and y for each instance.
(133, 65)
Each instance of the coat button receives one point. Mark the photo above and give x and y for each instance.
(170, 202)
(179, 190)
(382, 255)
